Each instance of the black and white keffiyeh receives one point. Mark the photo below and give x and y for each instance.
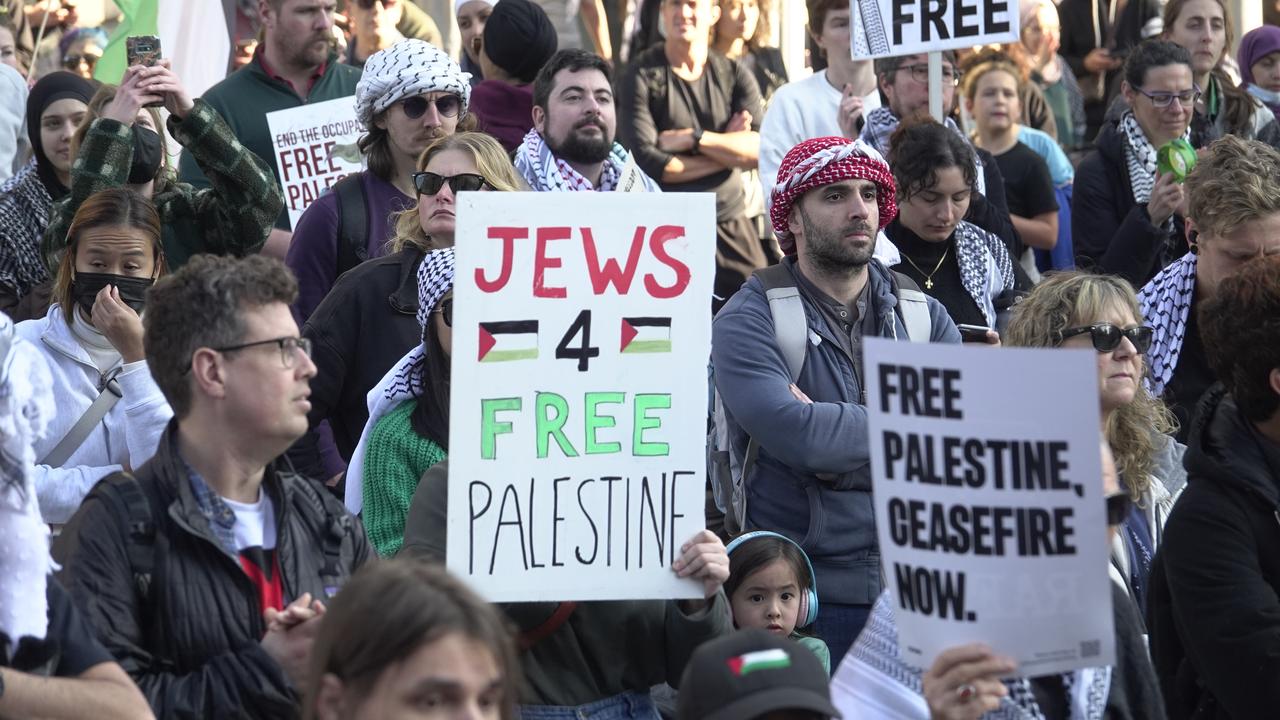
(1165, 302)
(1140, 157)
(547, 173)
(405, 380)
(409, 68)
(24, 215)
(978, 251)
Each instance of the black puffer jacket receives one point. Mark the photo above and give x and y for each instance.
(361, 329)
(1213, 611)
(1110, 231)
(192, 642)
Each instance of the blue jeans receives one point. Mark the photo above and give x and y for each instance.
(627, 706)
(838, 625)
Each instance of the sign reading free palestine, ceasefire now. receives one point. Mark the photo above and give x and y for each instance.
(581, 332)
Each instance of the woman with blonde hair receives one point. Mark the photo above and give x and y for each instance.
(368, 321)
(1084, 310)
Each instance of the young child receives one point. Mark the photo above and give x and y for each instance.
(771, 587)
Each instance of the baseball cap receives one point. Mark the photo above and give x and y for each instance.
(749, 673)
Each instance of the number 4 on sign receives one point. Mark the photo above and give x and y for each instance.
(583, 352)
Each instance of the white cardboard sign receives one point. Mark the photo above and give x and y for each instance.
(581, 333)
(315, 147)
(989, 502)
(885, 28)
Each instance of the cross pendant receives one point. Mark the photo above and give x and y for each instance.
(928, 284)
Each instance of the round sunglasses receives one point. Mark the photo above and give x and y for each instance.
(1106, 337)
(446, 105)
(429, 183)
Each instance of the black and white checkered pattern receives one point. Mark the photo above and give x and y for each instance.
(410, 67)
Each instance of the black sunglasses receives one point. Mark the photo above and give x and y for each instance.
(446, 311)
(416, 106)
(1106, 337)
(429, 183)
(1118, 507)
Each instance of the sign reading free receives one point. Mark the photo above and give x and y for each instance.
(580, 337)
(315, 147)
(886, 28)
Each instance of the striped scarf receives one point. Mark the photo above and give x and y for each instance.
(547, 173)
(1165, 302)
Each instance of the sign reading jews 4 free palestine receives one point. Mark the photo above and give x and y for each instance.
(885, 28)
(315, 147)
(581, 332)
(989, 502)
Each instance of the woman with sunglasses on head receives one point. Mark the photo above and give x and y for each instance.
(1126, 215)
(368, 322)
(410, 95)
(110, 412)
(1100, 312)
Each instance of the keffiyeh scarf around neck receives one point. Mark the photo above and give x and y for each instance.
(24, 214)
(1165, 302)
(1140, 157)
(976, 247)
(546, 173)
(881, 123)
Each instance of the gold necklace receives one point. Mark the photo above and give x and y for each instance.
(928, 277)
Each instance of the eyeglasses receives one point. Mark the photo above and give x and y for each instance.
(429, 183)
(289, 347)
(71, 62)
(1164, 99)
(1106, 337)
(446, 311)
(416, 106)
(1118, 507)
(920, 73)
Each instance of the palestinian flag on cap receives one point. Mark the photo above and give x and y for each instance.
(509, 340)
(646, 335)
(774, 659)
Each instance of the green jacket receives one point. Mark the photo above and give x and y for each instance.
(604, 648)
(233, 217)
(246, 96)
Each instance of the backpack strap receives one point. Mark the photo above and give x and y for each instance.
(125, 491)
(915, 308)
(75, 437)
(790, 327)
(353, 226)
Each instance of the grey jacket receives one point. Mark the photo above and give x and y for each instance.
(812, 479)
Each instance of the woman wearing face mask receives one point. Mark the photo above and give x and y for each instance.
(1204, 28)
(123, 144)
(1259, 61)
(110, 412)
(55, 108)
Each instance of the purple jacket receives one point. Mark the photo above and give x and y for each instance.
(313, 254)
(504, 111)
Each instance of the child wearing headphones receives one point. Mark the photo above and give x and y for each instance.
(771, 587)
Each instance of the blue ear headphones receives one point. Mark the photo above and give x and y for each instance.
(808, 596)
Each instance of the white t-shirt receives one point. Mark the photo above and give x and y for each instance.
(255, 523)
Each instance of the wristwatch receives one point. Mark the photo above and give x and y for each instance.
(697, 140)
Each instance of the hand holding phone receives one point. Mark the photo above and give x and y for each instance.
(978, 334)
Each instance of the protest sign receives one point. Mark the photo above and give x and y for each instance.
(581, 333)
(989, 502)
(315, 147)
(885, 28)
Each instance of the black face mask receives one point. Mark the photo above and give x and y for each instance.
(86, 286)
(147, 155)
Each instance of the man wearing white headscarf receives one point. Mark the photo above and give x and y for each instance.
(51, 664)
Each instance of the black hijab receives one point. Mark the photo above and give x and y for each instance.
(50, 89)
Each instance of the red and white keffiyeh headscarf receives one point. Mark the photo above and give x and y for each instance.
(822, 161)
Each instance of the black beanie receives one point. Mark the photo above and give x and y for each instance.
(519, 38)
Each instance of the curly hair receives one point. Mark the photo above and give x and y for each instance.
(491, 162)
(1153, 54)
(387, 612)
(919, 148)
(1233, 183)
(1240, 326)
(202, 306)
(1073, 298)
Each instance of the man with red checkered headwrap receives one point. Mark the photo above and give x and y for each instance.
(787, 352)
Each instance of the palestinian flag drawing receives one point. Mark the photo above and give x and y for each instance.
(646, 334)
(762, 660)
(508, 340)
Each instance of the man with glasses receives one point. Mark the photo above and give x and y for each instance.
(294, 65)
(1126, 214)
(571, 146)
(904, 94)
(205, 572)
(410, 95)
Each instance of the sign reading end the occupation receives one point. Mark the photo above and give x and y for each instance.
(989, 502)
(581, 332)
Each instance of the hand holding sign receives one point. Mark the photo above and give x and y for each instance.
(964, 682)
(703, 558)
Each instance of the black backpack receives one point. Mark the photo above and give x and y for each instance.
(353, 222)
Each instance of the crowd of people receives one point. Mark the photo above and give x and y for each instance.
(224, 437)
